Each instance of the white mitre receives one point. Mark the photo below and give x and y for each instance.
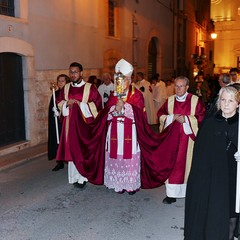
(124, 67)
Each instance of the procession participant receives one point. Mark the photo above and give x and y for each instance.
(105, 88)
(211, 187)
(76, 98)
(53, 113)
(122, 157)
(189, 111)
(145, 87)
(159, 92)
(235, 75)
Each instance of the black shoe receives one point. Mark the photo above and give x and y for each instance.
(121, 192)
(79, 185)
(132, 192)
(59, 166)
(169, 200)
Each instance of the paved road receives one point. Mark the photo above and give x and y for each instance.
(38, 204)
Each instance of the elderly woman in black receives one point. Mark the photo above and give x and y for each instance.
(211, 188)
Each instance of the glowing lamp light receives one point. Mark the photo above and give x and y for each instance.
(213, 35)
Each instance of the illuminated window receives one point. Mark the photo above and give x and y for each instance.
(238, 11)
(7, 7)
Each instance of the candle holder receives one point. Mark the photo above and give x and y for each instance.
(53, 85)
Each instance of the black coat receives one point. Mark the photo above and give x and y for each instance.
(211, 187)
(52, 136)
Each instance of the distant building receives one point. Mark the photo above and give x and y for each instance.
(226, 17)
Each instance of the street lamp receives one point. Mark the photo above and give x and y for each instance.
(213, 36)
(201, 60)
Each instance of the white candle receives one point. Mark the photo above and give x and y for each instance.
(237, 157)
(56, 120)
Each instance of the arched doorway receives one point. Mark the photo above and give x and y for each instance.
(12, 121)
(152, 57)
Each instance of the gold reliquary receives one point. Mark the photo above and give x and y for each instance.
(119, 85)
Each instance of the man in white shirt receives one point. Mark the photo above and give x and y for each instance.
(105, 88)
(145, 87)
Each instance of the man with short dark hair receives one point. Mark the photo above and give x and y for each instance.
(234, 73)
(78, 99)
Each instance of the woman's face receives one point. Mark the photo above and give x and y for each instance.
(61, 82)
(228, 104)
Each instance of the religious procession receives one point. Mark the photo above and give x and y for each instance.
(131, 134)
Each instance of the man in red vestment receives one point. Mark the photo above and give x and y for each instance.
(82, 99)
(122, 151)
(187, 111)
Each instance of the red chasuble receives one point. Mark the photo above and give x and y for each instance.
(88, 94)
(194, 110)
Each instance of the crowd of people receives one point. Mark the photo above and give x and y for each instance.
(106, 138)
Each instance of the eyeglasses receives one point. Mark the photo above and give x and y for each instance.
(180, 86)
(74, 73)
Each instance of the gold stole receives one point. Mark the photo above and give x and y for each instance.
(86, 93)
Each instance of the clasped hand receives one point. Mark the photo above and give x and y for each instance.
(179, 118)
(70, 102)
